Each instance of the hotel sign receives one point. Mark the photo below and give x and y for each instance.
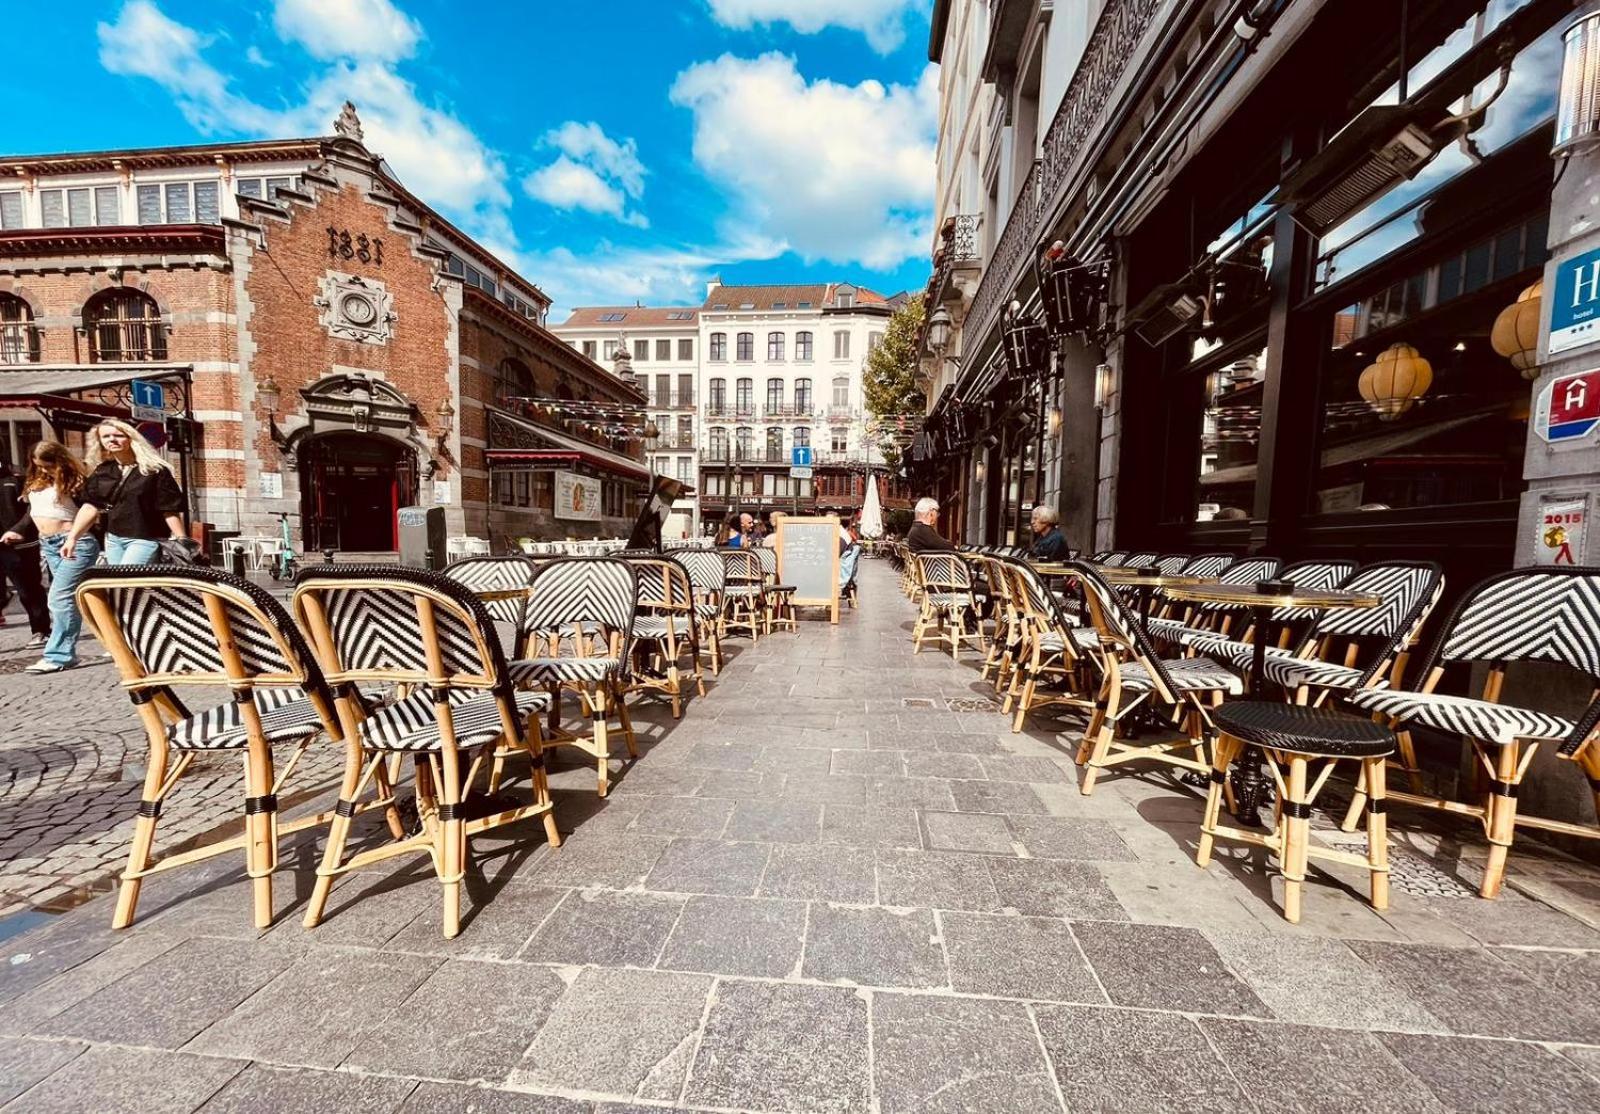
(1575, 303)
(1568, 408)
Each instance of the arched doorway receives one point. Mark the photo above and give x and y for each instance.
(352, 486)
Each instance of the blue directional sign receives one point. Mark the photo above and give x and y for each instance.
(800, 456)
(1575, 303)
(148, 394)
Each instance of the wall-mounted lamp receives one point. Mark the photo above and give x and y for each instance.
(939, 329)
(1578, 110)
(444, 420)
(1053, 419)
(268, 395)
(1105, 381)
(980, 470)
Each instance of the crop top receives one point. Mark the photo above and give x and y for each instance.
(46, 504)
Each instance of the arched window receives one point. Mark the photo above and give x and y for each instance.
(774, 444)
(774, 346)
(747, 347)
(774, 396)
(718, 402)
(512, 379)
(743, 396)
(719, 346)
(802, 396)
(802, 345)
(802, 436)
(719, 443)
(19, 337)
(124, 325)
(744, 443)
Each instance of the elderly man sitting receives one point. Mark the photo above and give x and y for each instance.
(1048, 542)
(922, 537)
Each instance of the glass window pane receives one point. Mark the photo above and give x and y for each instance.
(206, 209)
(178, 210)
(276, 184)
(663, 350)
(52, 208)
(11, 209)
(251, 187)
(149, 204)
(79, 208)
(107, 205)
(686, 350)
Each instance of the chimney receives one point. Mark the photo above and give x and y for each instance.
(711, 285)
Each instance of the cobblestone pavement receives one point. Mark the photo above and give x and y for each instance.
(838, 884)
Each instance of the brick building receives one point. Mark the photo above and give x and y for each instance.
(330, 347)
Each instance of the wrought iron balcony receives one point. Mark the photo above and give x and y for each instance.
(1117, 34)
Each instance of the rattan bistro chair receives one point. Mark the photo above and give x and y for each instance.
(1052, 649)
(1214, 618)
(1190, 685)
(596, 596)
(707, 578)
(664, 627)
(947, 603)
(779, 612)
(429, 639)
(1548, 615)
(744, 600)
(173, 627)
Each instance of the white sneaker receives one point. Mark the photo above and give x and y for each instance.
(38, 640)
(43, 666)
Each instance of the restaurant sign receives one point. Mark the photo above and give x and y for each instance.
(577, 497)
(1568, 408)
(1575, 305)
(1561, 531)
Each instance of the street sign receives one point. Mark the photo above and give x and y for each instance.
(1568, 409)
(1575, 303)
(800, 456)
(798, 473)
(149, 401)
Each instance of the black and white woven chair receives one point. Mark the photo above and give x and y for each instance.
(454, 706)
(1534, 615)
(171, 627)
(1213, 618)
(1346, 649)
(496, 574)
(1132, 674)
(1051, 649)
(707, 578)
(948, 612)
(744, 599)
(664, 627)
(779, 612)
(597, 596)
(1291, 623)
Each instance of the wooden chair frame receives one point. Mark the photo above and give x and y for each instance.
(933, 617)
(159, 707)
(708, 627)
(674, 603)
(1038, 614)
(776, 609)
(441, 782)
(743, 611)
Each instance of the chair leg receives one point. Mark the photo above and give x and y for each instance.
(1502, 818)
(1377, 831)
(1358, 799)
(260, 823)
(1408, 755)
(339, 830)
(1222, 758)
(1024, 703)
(1100, 747)
(1296, 838)
(602, 742)
(144, 837)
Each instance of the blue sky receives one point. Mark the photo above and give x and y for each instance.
(611, 152)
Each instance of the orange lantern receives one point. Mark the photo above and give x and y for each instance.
(1395, 380)
(1516, 331)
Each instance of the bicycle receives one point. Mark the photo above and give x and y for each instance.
(284, 560)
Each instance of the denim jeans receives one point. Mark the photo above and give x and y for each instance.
(65, 622)
(130, 551)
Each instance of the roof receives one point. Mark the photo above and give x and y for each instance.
(114, 239)
(562, 446)
(936, 30)
(589, 317)
(84, 162)
(821, 295)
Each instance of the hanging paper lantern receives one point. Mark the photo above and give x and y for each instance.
(1395, 380)
(1516, 331)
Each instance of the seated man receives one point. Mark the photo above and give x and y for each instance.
(1048, 542)
(922, 537)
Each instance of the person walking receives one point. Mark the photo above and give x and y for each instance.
(132, 492)
(54, 485)
(19, 560)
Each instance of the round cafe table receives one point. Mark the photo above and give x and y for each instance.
(1263, 599)
(1144, 580)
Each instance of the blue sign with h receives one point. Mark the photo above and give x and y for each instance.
(1575, 303)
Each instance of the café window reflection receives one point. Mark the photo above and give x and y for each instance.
(1230, 438)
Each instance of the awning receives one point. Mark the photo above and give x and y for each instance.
(559, 451)
(59, 387)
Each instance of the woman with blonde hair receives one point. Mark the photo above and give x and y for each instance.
(132, 491)
(54, 489)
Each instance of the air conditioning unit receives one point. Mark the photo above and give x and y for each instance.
(1379, 149)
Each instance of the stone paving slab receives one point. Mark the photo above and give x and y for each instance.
(807, 895)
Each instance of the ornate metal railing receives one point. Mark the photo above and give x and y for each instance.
(1117, 35)
(964, 238)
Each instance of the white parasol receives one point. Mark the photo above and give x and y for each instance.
(872, 512)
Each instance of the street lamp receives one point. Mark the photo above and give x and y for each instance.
(268, 394)
(939, 329)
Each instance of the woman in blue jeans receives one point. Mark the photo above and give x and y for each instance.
(54, 485)
(132, 492)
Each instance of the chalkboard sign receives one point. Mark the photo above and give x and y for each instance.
(808, 561)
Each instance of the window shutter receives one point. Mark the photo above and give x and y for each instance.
(247, 187)
(178, 211)
(52, 209)
(107, 205)
(149, 204)
(206, 204)
(11, 209)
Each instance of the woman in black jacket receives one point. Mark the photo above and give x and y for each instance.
(132, 491)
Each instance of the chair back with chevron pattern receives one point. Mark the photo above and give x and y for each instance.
(195, 625)
(768, 559)
(944, 572)
(663, 584)
(1138, 560)
(484, 574)
(1246, 570)
(585, 592)
(1116, 621)
(1109, 557)
(1035, 600)
(1207, 565)
(1171, 564)
(403, 626)
(741, 566)
(1532, 614)
(706, 571)
(1312, 575)
(1409, 590)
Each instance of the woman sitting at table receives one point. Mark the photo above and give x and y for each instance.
(1048, 542)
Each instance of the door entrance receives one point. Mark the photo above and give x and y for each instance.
(352, 486)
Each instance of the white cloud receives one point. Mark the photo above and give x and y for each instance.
(881, 21)
(594, 173)
(330, 29)
(842, 173)
(612, 275)
(436, 155)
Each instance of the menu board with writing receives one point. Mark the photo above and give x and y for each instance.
(808, 560)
